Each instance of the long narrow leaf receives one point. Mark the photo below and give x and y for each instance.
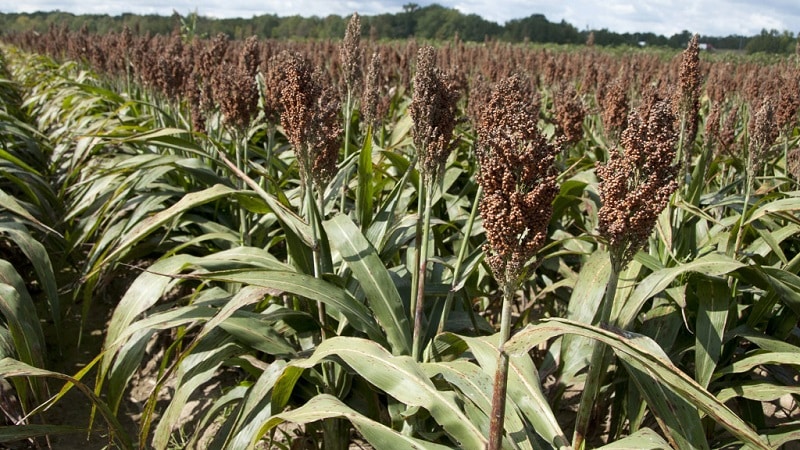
(402, 378)
(326, 407)
(627, 347)
(13, 368)
(374, 279)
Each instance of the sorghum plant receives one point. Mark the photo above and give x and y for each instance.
(310, 120)
(433, 109)
(763, 132)
(569, 113)
(613, 99)
(635, 186)
(350, 54)
(687, 98)
(519, 184)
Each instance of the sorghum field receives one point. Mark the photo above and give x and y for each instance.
(394, 245)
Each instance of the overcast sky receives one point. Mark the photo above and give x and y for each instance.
(667, 17)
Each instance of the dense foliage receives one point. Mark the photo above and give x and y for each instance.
(328, 236)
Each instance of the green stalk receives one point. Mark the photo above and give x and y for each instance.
(421, 257)
(412, 307)
(311, 216)
(462, 253)
(597, 366)
(241, 162)
(498, 413)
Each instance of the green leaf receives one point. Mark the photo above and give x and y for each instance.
(786, 205)
(643, 439)
(256, 333)
(13, 368)
(523, 386)
(326, 406)
(713, 264)
(150, 224)
(374, 279)
(583, 303)
(402, 378)
(757, 359)
(758, 391)
(194, 370)
(255, 408)
(677, 417)
(20, 432)
(10, 203)
(628, 347)
(475, 386)
(38, 256)
(19, 312)
(364, 189)
(713, 297)
(143, 293)
(309, 287)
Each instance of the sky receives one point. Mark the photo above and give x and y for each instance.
(665, 17)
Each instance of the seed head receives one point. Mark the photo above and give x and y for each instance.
(614, 102)
(635, 185)
(570, 113)
(235, 93)
(372, 107)
(687, 98)
(517, 176)
(433, 110)
(350, 52)
(763, 132)
(788, 100)
(309, 118)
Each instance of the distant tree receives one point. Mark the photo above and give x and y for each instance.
(771, 41)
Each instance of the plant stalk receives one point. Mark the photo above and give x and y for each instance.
(498, 413)
(422, 256)
(597, 366)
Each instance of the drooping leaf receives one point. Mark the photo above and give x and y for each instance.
(374, 279)
(326, 406)
(13, 368)
(628, 347)
(402, 378)
(713, 264)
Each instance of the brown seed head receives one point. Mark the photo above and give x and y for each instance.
(763, 132)
(236, 94)
(788, 100)
(569, 113)
(249, 57)
(350, 53)
(635, 186)
(614, 102)
(517, 176)
(371, 105)
(309, 118)
(687, 98)
(433, 110)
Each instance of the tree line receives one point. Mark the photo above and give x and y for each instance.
(429, 22)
